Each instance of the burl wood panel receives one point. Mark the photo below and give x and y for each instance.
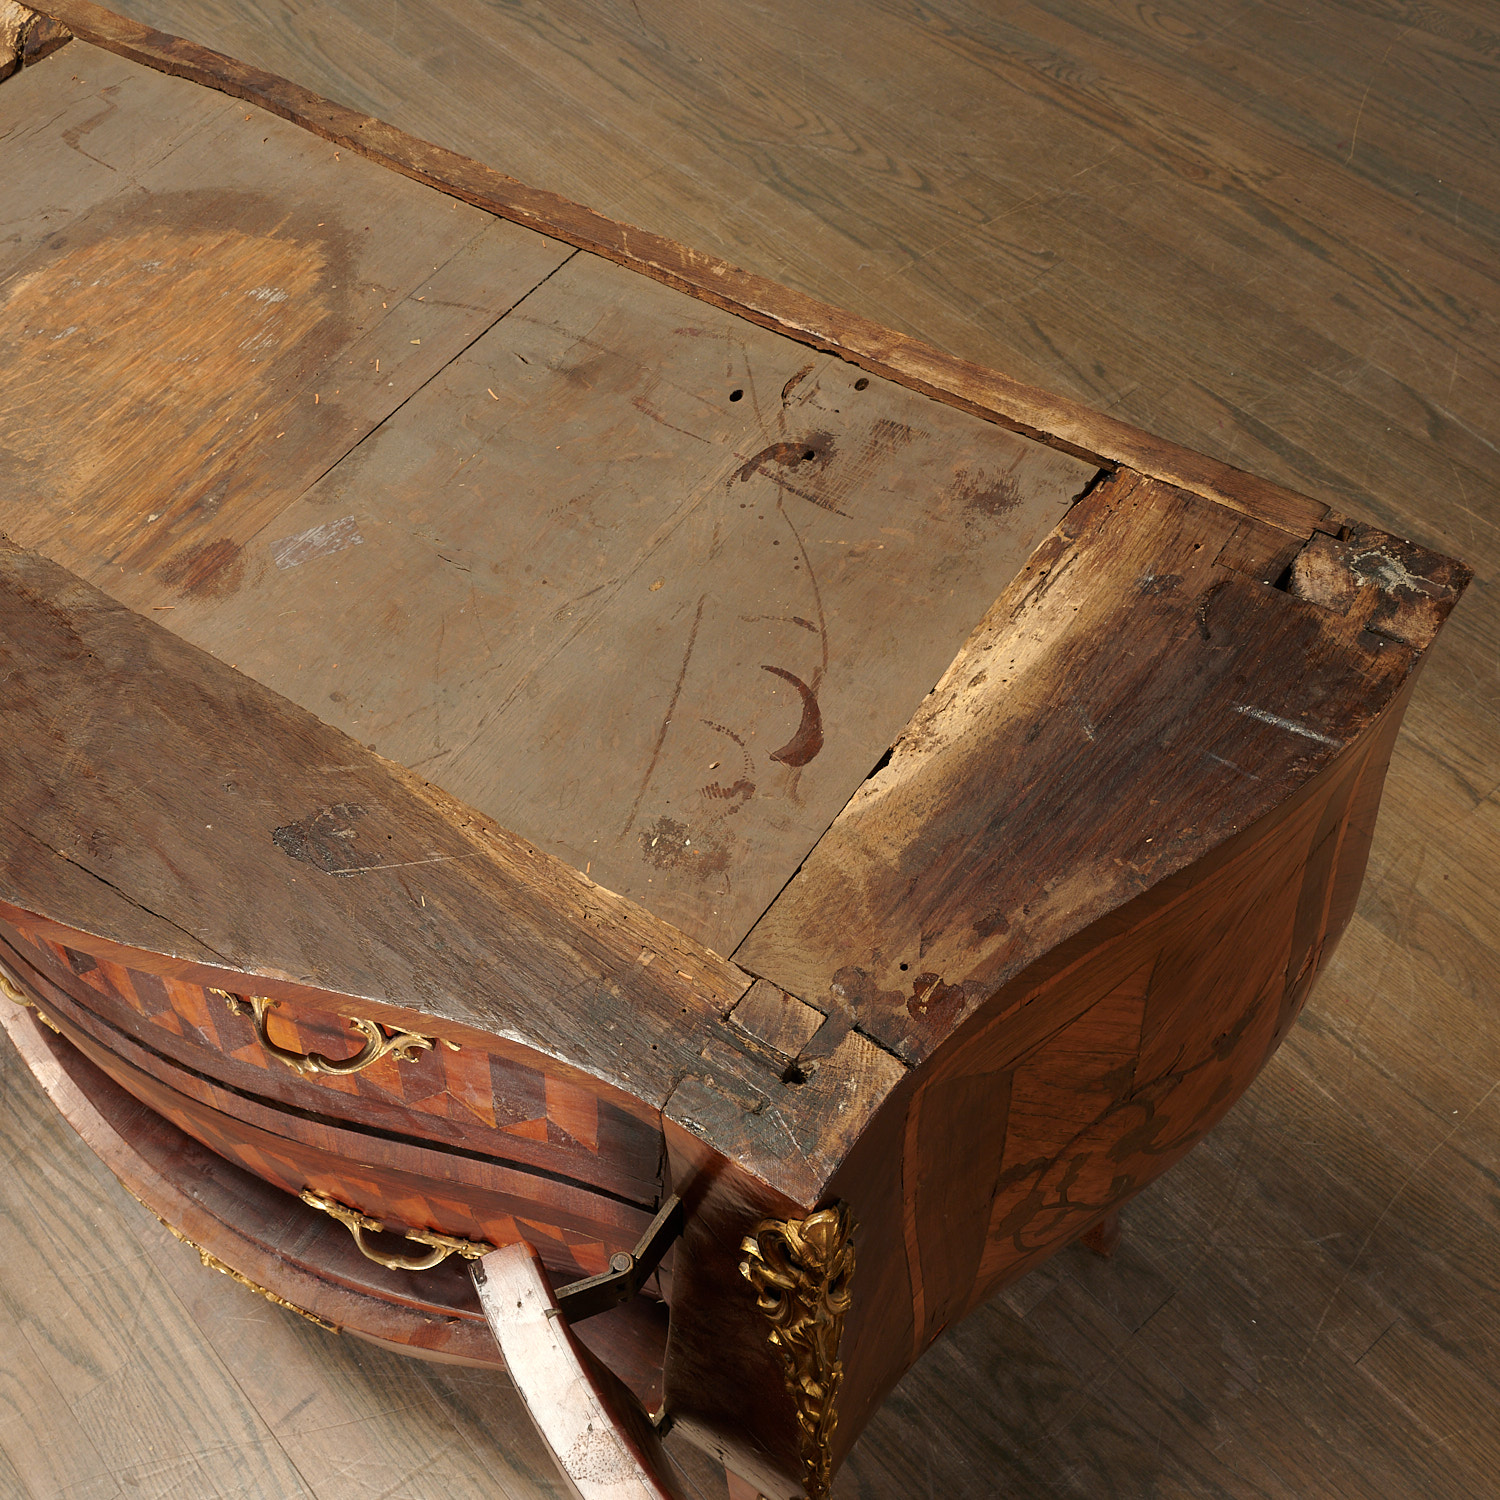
(203, 309)
(544, 1114)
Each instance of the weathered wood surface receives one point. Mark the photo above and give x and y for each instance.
(375, 893)
(26, 37)
(485, 589)
(1137, 696)
(369, 864)
(1089, 434)
(203, 309)
(1263, 1331)
(645, 584)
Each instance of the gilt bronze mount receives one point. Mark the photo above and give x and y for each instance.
(801, 1269)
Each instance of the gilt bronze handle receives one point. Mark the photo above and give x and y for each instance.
(358, 1224)
(402, 1045)
(13, 991)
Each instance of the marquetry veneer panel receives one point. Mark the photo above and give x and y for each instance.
(545, 1116)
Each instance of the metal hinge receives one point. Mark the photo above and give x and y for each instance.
(628, 1269)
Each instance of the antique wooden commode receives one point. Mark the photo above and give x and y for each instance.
(528, 747)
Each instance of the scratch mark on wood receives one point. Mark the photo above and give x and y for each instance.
(645, 407)
(666, 723)
(436, 859)
(1240, 769)
(317, 541)
(1290, 725)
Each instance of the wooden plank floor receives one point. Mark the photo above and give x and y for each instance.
(1267, 228)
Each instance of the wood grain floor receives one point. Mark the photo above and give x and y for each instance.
(1269, 229)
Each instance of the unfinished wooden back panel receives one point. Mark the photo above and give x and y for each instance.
(647, 584)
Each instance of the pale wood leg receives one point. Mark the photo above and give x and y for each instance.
(741, 1489)
(602, 1443)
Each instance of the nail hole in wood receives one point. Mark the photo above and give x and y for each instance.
(861, 383)
(735, 395)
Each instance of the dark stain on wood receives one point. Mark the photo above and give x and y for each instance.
(34, 627)
(793, 381)
(325, 840)
(76, 133)
(933, 1001)
(1411, 589)
(808, 740)
(987, 496)
(816, 447)
(669, 844)
(741, 788)
(209, 570)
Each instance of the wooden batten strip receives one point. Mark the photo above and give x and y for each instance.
(986, 393)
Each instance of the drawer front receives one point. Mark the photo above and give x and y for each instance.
(405, 1184)
(546, 1116)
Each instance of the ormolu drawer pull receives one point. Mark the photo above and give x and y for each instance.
(443, 1245)
(403, 1045)
(13, 991)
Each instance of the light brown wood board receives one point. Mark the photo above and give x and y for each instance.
(667, 646)
(202, 310)
(1090, 434)
(647, 585)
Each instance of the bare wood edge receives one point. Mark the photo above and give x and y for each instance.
(1054, 420)
(601, 1442)
(26, 37)
(690, 977)
(221, 1246)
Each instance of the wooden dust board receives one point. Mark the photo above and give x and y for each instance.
(647, 584)
(650, 585)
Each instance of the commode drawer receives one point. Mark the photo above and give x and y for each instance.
(446, 1193)
(546, 1115)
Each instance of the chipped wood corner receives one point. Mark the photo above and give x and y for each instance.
(26, 36)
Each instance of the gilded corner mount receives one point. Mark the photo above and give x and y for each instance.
(801, 1269)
